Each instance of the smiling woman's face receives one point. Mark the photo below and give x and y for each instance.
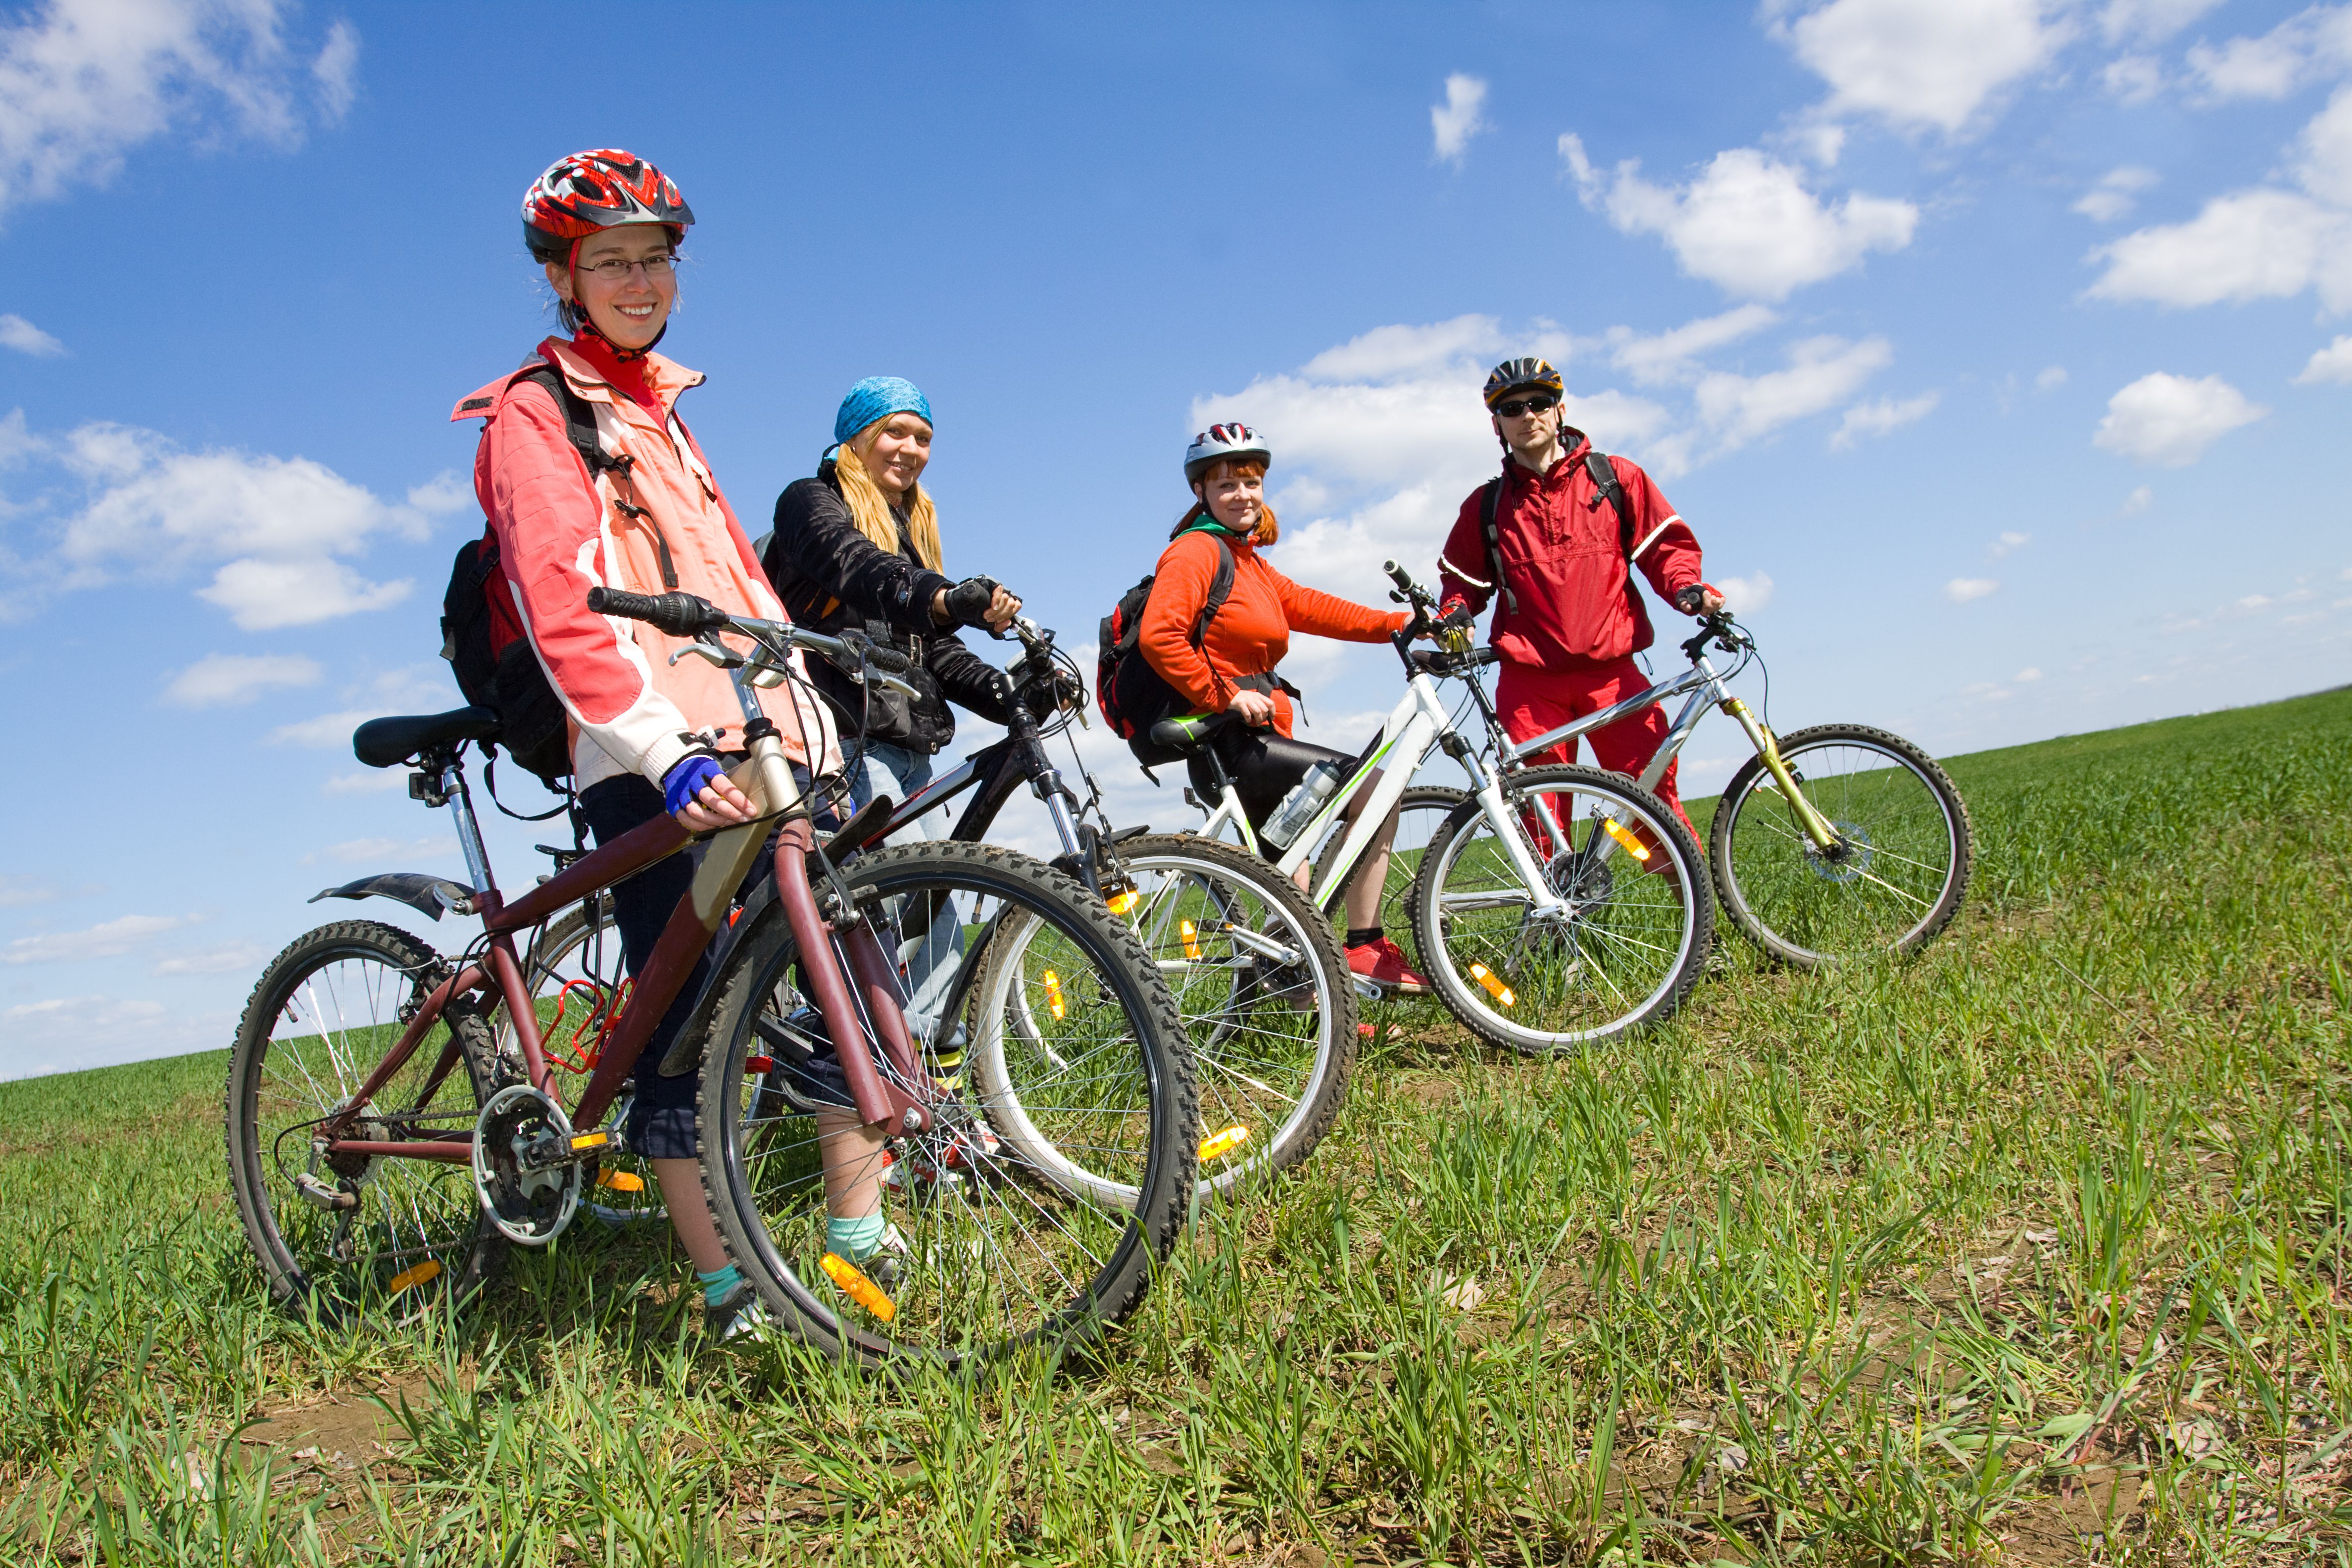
(1235, 496)
(631, 309)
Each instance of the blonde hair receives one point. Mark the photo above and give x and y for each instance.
(870, 509)
(1267, 530)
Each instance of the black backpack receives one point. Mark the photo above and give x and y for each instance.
(1605, 480)
(482, 638)
(1132, 695)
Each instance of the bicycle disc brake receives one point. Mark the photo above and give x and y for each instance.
(1848, 860)
(528, 1199)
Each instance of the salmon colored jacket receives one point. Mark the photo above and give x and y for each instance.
(562, 531)
(1250, 634)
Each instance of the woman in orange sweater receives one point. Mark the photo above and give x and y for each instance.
(1230, 667)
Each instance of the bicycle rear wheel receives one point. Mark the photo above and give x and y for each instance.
(348, 1233)
(998, 1251)
(1421, 812)
(1898, 875)
(1259, 981)
(1628, 947)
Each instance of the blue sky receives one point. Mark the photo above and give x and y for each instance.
(1991, 347)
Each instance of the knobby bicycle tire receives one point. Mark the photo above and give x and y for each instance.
(1793, 903)
(943, 1214)
(1621, 915)
(317, 1024)
(1236, 1006)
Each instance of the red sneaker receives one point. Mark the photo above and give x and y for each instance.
(1383, 962)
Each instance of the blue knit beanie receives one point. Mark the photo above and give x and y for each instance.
(878, 397)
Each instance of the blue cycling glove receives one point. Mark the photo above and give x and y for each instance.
(684, 781)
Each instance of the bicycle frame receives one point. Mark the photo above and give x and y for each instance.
(728, 859)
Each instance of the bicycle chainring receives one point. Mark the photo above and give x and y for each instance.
(530, 1208)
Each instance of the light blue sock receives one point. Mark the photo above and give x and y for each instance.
(718, 1283)
(855, 1240)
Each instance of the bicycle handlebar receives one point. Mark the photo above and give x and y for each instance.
(679, 614)
(687, 616)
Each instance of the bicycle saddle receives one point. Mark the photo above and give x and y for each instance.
(1186, 734)
(381, 743)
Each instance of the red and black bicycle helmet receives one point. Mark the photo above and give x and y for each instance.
(598, 189)
(1518, 375)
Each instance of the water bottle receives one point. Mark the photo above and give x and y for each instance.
(1299, 806)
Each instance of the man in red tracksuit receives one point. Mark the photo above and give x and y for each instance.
(1571, 619)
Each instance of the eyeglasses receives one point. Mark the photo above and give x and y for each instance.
(614, 270)
(1518, 406)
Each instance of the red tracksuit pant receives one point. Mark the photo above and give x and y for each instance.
(1532, 699)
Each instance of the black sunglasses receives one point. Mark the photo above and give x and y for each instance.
(1518, 406)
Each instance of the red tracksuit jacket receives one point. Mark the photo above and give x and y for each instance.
(1563, 560)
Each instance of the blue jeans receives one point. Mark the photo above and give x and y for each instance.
(931, 960)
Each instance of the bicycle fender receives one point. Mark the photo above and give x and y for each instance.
(426, 894)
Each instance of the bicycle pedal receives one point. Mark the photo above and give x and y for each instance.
(555, 1149)
(1368, 990)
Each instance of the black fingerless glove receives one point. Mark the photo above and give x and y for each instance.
(1457, 617)
(1043, 698)
(968, 601)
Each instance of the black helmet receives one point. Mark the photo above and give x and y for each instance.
(1515, 374)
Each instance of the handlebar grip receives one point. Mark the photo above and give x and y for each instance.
(1398, 575)
(679, 614)
(888, 660)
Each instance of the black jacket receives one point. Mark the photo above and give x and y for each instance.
(830, 576)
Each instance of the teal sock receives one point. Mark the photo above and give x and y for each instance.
(718, 1283)
(855, 1240)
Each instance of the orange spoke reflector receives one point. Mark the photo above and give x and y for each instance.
(1217, 1145)
(1192, 935)
(621, 1181)
(1493, 983)
(1633, 846)
(1053, 996)
(857, 1288)
(423, 1273)
(1121, 902)
(755, 1067)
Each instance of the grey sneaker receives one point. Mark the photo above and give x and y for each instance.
(740, 1317)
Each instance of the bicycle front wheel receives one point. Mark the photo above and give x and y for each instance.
(348, 1233)
(1259, 983)
(1421, 812)
(991, 1251)
(1623, 945)
(1896, 875)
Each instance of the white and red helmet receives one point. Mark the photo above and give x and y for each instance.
(1223, 442)
(598, 189)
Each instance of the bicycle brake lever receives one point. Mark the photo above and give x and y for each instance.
(724, 658)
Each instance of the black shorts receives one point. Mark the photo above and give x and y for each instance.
(1265, 766)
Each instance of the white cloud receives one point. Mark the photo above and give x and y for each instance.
(2133, 79)
(2139, 500)
(2051, 380)
(375, 781)
(110, 939)
(83, 83)
(2248, 245)
(2166, 421)
(1458, 118)
(224, 680)
(1924, 64)
(15, 333)
(1386, 352)
(2116, 193)
(62, 1034)
(443, 493)
(2332, 364)
(2028, 675)
(277, 533)
(1960, 590)
(2297, 50)
(15, 890)
(1822, 373)
(1668, 355)
(355, 851)
(2152, 21)
(2008, 543)
(225, 959)
(327, 729)
(2325, 164)
(1877, 418)
(1747, 223)
(1747, 595)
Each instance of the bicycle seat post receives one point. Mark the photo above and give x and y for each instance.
(469, 832)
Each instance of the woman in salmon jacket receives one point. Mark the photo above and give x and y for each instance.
(647, 736)
(1231, 669)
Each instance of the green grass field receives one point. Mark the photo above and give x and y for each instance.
(2031, 1250)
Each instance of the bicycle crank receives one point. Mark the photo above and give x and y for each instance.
(527, 1164)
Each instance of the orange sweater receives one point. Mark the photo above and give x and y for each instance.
(1250, 634)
